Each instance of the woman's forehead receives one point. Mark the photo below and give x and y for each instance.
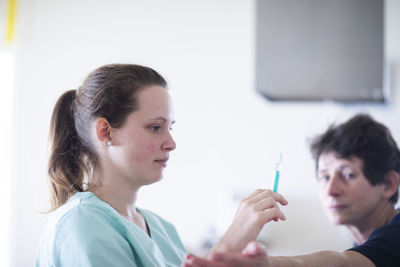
(333, 160)
(154, 102)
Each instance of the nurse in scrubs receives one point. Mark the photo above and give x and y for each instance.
(109, 138)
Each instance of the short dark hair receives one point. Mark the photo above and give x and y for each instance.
(365, 138)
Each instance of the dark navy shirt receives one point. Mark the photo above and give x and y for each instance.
(383, 245)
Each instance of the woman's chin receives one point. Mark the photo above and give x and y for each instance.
(154, 179)
(337, 220)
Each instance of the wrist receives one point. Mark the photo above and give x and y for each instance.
(229, 243)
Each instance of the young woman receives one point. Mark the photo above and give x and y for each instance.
(108, 139)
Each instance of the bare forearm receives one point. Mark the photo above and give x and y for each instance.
(255, 255)
(322, 258)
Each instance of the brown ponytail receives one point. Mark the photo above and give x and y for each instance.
(108, 92)
(66, 169)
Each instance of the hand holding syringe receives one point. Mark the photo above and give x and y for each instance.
(255, 210)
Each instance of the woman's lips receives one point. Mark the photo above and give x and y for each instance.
(162, 162)
(337, 207)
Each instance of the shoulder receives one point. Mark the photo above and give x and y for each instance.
(388, 232)
(85, 211)
(383, 245)
(82, 218)
(87, 228)
(82, 205)
(396, 220)
(354, 258)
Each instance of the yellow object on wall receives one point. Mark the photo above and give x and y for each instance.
(10, 23)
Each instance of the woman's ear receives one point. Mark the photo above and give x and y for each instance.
(103, 130)
(391, 183)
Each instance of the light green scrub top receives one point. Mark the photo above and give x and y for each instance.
(88, 232)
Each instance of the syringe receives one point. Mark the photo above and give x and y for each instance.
(277, 174)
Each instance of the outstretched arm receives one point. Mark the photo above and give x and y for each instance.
(254, 255)
(253, 213)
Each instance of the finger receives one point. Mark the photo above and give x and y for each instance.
(266, 194)
(261, 195)
(265, 203)
(272, 214)
(281, 199)
(269, 204)
(255, 193)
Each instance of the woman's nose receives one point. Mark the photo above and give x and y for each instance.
(169, 143)
(334, 186)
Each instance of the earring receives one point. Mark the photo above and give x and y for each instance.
(109, 143)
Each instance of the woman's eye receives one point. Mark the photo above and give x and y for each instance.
(349, 175)
(155, 128)
(324, 178)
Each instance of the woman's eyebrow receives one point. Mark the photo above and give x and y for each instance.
(158, 119)
(161, 119)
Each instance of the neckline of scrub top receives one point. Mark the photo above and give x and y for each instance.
(145, 217)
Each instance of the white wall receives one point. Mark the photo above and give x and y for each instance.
(228, 137)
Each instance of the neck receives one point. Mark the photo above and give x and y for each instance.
(118, 192)
(379, 217)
